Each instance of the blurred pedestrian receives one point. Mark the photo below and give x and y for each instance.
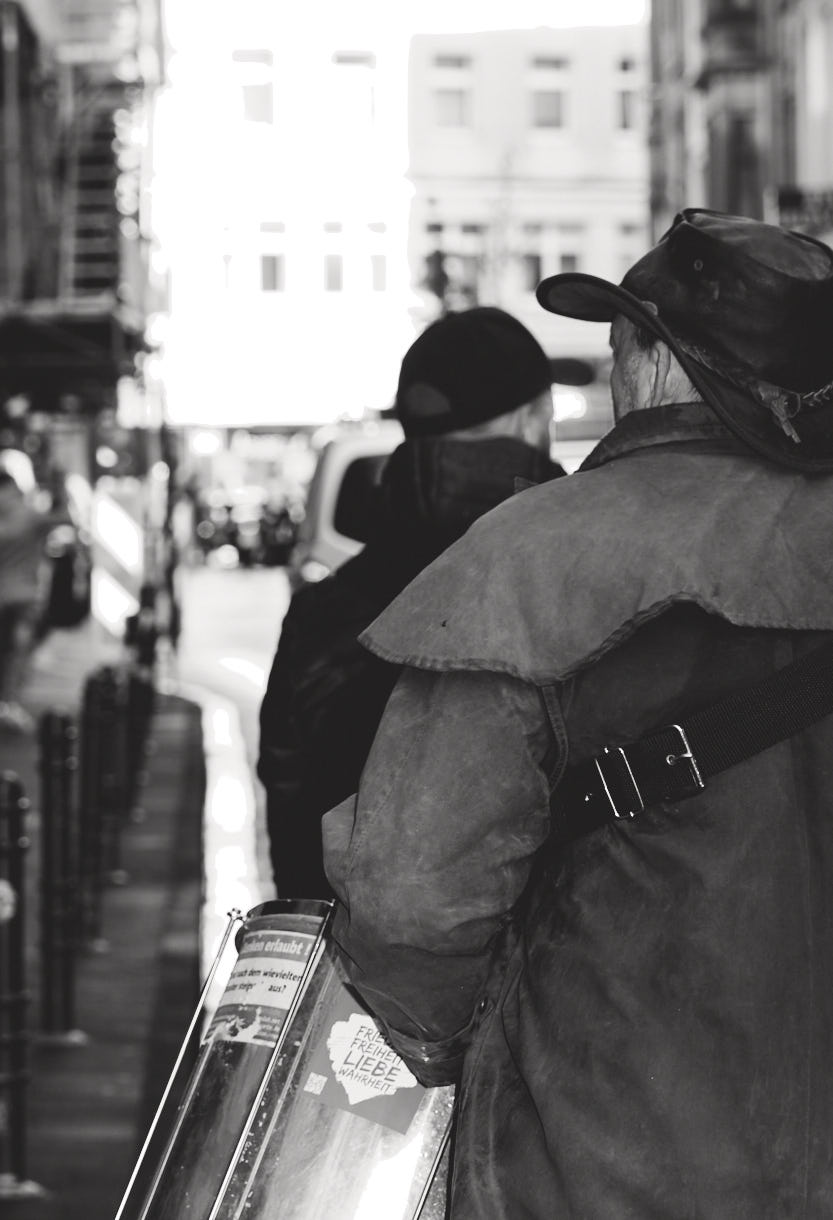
(475, 404)
(22, 533)
(589, 869)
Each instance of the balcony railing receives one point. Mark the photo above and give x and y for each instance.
(734, 39)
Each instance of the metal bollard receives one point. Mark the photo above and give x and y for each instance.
(140, 701)
(59, 877)
(104, 793)
(91, 824)
(14, 998)
(142, 628)
(112, 772)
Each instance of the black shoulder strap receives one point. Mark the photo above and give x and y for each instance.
(674, 762)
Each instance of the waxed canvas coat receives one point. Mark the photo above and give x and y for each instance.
(646, 1015)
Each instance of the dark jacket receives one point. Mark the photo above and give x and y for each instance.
(326, 693)
(645, 1017)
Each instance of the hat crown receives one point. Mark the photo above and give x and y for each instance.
(750, 293)
(468, 367)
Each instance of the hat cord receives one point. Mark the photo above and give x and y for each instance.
(782, 403)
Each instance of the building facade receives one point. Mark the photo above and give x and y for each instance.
(528, 156)
(349, 153)
(742, 110)
(284, 216)
(77, 83)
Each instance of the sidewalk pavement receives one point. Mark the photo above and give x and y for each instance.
(89, 1105)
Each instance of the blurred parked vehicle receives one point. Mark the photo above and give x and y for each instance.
(244, 517)
(340, 499)
(279, 531)
(260, 530)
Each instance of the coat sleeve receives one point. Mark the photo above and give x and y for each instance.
(433, 854)
(279, 758)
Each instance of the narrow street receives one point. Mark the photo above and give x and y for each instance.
(231, 623)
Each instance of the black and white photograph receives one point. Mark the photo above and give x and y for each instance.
(416, 610)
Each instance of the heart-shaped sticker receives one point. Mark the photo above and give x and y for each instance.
(363, 1062)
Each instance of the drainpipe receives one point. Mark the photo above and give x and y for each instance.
(12, 172)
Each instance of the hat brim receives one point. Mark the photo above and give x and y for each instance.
(571, 370)
(591, 299)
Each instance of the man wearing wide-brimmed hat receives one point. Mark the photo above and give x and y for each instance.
(590, 865)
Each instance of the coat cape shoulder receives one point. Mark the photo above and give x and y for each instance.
(549, 581)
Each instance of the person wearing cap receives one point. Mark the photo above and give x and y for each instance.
(621, 954)
(475, 404)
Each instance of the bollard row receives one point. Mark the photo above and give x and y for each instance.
(89, 769)
(60, 856)
(89, 776)
(14, 997)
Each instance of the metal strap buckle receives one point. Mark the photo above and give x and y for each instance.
(632, 804)
(685, 756)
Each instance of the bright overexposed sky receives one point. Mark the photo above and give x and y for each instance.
(440, 16)
(427, 16)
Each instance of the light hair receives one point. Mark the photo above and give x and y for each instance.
(678, 385)
(521, 422)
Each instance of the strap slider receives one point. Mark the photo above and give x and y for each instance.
(616, 774)
(692, 782)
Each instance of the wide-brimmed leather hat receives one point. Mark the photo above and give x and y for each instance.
(747, 309)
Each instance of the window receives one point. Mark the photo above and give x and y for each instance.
(452, 61)
(333, 272)
(352, 100)
(627, 64)
(271, 273)
(726, 9)
(568, 262)
(333, 226)
(532, 276)
(258, 106)
(532, 227)
(378, 272)
(361, 59)
(272, 226)
(463, 271)
(264, 58)
(434, 226)
(631, 228)
(548, 108)
(626, 109)
(473, 228)
(551, 63)
(255, 74)
(377, 226)
(451, 107)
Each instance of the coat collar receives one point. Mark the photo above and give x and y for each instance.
(665, 425)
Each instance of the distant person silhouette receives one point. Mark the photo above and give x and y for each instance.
(475, 403)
